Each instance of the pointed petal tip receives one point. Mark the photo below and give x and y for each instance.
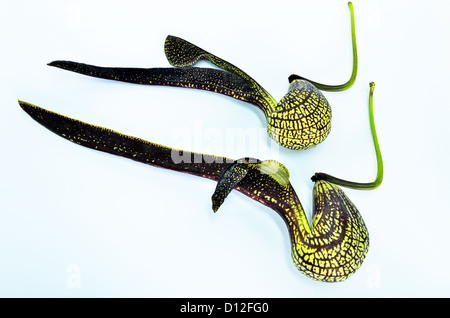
(29, 108)
(60, 63)
(23, 104)
(215, 204)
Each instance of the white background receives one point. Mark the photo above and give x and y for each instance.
(79, 223)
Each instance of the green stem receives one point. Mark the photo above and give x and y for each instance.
(343, 87)
(379, 178)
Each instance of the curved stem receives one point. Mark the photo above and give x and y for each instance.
(343, 87)
(380, 170)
